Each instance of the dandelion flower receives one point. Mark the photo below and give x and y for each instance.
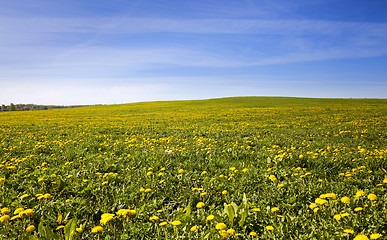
(154, 218)
(47, 196)
(4, 218)
(254, 234)
(220, 226)
(5, 210)
(176, 223)
(349, 231)
(224, 233)
(162, 224)
(376, 235)
(106, 217)
(372, 197)
(361, 237)
(231, 231)
(273, 178)
(194, 228)
(79, 230)
(320, 201)
(358, 209)
(181, 171)
(224, 192)
(359, 194)
(27, 212)
(345, 200)
(274, 209)
(312, 205)
(24, 196)
(255, 210)
(210, 217)
(331, 195)
(30, 228)
(97, 229)
(269, 228)
(18, 210)
(200, 205)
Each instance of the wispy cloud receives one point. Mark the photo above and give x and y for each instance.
(124, 25)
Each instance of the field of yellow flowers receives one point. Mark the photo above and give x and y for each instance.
(232, 168)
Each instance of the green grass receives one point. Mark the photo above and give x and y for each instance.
(95, 160)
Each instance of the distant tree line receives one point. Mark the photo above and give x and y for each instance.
(29, 107)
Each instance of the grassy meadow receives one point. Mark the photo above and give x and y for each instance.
(231, 168)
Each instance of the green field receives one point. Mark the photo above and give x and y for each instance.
(233, 168)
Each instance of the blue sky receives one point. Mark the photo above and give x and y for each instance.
(117, 51)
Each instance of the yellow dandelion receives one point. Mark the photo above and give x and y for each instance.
(359, 194)
(376, 235)
(224, 233)
(27, 212)
(320, 201)
(30, 228)
(154, 218)
(358, 209)
(349, 231)
(274, 209)
(200, 205)
(5, 210)
(176, 223)
(372, 197)
(97, 229)
(24, 196)
(345, 200)
(254, 234)
(194, 228)
(220, 226)
(4, 218)
(273, 178)
(106, 217)
(361, 237)
(312, 205)
(210, 217)
(224, 192)
(255, 210)
(269, 228)
(162, 224)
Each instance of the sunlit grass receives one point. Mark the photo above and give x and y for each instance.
(237, 168)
